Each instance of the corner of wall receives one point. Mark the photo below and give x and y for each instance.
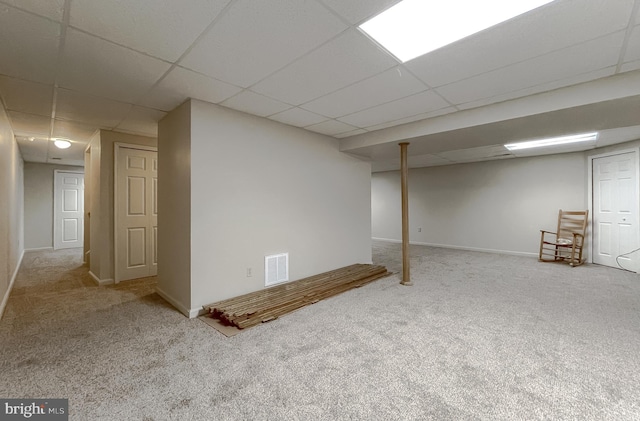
(174, 208)
(190, 313)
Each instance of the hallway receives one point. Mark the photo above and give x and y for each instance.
(56, 286)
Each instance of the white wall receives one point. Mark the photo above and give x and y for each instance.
(260, 187)
(38, 203)
(99, 181)
(174, 207)
(494, 205)
(11, 209)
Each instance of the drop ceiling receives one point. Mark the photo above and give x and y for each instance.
(70, 67)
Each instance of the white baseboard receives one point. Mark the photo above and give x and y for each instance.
(39, 249)
(386, 240)
(447, 246)
(5, 299)
(190, 313)
(195, 312)
(101, 281)
(479, 249)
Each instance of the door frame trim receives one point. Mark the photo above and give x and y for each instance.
(590, 159)
(55, 208)
(117, 147)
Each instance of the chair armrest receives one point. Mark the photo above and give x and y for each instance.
(544, 233)
(575, 238)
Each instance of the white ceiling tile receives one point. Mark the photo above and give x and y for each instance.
(33, 151)
(141, 120)
(347, 59)
(546, 29)
(30, 124)
(356, 11)
(583, 58)
(21, 138)
(401, 108)
(633, 47)
(161, 28)
(66, 161)
(181, 84)
(255, 38)
(390, 85)
(89, 110)
(331, 127)
(52, 9)
(556, 84)
(298, 117)
(98, 67)
(417, 117)
(256, 104)
(26, 97)
(29, 46)
(77, 132)
(74, 152)
(34, 158)
(351, 133)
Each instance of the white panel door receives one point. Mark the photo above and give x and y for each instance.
(615, 205)
(136, 210)
(68, 210)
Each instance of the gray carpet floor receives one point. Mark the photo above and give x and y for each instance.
(479, 336)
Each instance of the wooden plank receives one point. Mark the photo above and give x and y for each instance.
(288, 307)
(275, 289)
(272, 314)
(293, 288)
(269, 304)
(269, 294)
(302, 290)
(308, 296)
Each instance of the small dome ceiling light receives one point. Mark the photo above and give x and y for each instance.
(61, 143)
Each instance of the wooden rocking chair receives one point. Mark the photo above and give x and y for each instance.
(567, 242)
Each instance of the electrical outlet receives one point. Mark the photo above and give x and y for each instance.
(249, 274)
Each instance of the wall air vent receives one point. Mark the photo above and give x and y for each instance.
(276, 269)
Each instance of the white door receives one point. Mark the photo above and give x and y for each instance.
(68, 210)
(136, 213)
(615, 210)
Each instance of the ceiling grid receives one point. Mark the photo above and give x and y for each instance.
(72, 67)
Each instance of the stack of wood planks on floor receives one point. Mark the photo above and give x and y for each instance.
(269, 304)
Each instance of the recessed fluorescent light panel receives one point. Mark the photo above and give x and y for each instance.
(412, 28)
(553, 141)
